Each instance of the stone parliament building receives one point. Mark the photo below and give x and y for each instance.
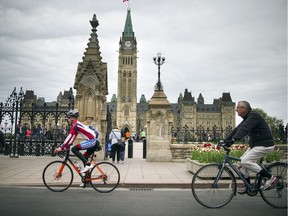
(130, 115)
(126, 112)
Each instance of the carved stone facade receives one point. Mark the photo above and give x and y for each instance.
(198, 115)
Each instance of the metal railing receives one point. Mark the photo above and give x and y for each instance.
(200, 135)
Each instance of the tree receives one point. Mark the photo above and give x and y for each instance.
(273, 123)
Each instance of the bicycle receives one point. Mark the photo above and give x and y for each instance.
(58, 176)
(214, 185)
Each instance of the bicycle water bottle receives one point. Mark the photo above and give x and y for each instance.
(77, 165)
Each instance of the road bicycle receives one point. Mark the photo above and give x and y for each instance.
(214, 185)
(58, 176)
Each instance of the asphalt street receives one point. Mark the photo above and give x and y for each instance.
(143, 202)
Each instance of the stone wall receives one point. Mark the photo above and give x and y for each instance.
(181, 151)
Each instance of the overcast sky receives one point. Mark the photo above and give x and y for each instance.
(211, 47)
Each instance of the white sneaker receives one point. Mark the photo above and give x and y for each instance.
(86, 168)
(268, 183)
(81, 185)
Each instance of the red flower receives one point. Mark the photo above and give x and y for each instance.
(207, 144)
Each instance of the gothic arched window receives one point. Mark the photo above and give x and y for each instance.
(126, 112)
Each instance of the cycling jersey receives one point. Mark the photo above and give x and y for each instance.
(79, 128)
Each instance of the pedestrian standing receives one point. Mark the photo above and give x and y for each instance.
(28, 133)
(114, 136)
(122, 150)
(143, 135)
(127, 135)
(2, 142)
(18, 132)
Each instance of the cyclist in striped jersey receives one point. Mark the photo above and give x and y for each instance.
(90, 144)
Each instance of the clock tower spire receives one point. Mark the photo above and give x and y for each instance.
(127, 78)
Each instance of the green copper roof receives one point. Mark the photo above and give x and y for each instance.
(128, 29)
(114, 98)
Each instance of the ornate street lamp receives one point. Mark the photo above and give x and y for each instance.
(159, 61)
(13, 101)
(71, 101)
(185, 133)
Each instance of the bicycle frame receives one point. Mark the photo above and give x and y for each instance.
(215, 185)
(228, 160)
(86, 177)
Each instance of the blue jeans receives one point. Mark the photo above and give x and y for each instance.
(122, 155)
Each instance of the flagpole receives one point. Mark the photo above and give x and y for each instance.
(128, 6)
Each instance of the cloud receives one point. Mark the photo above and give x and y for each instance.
(210, 47)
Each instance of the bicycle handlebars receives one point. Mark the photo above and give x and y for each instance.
(222, 144)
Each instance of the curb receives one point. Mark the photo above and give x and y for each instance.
(132, 186)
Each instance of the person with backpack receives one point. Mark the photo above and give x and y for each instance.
(115, 137)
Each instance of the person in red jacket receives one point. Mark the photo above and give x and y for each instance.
(90, 144)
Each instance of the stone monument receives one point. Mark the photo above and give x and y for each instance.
(159, 120)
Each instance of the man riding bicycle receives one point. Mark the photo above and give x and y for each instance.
(260, 143)
(91, 143)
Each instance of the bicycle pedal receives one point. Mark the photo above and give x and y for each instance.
(241, 191)
(82, 185)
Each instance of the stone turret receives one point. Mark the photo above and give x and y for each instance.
(91, 85)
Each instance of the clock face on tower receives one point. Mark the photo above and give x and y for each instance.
(128, 44)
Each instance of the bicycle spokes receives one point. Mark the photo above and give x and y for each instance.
(105, 177)
(57, 176)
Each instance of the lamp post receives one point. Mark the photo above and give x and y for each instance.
(185, 133)
(159, 61)
(71, 101)
(13, 101)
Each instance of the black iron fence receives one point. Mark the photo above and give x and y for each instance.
(31, 147)
(187, 135)
(32, 129)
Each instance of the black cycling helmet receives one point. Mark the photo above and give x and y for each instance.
(73, 113)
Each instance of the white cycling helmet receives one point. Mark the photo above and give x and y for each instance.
(73, 113)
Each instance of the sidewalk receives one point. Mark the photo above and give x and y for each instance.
(135, 172)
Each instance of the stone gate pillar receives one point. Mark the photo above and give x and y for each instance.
(159, 120)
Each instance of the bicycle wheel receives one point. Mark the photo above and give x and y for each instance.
(57, 176)
(213, 196)
(104, 177)
(276, 195)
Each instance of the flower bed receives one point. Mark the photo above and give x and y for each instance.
(210, 153)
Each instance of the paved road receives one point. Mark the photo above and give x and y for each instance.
(158, 202)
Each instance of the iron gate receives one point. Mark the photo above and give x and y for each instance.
(47, 123)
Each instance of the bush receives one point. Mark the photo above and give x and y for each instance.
(275, 155)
